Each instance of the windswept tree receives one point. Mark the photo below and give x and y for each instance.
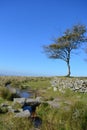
(85, 52)
(62, 47)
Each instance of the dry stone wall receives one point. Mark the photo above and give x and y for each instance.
(75, 84)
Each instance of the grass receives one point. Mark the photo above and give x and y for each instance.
(8, 122)
(5, 93)
(71, 115)
(59, 119)
(53, 119)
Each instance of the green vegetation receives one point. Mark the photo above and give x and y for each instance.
(63, 119)
(62, 47)
(25, 82)
(5, 93)
(70, 115)
(9, 122)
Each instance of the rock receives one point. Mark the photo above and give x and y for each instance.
(10, 109)
(75, 84)
(54, 104)
(54, 89)
(30, 100)
(33, 101)
(19, 100)
(25, 113)
(38, 99)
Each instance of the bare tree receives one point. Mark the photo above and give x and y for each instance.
(62, 47)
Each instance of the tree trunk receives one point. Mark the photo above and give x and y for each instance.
(68, 65)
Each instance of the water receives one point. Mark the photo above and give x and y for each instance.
(37, 121)
(20, 93)
(23, 93)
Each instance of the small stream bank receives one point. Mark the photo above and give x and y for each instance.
(20, 93)
(27, 108)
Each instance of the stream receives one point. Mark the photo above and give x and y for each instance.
(24, 93)
(21, 93)
(36, 121)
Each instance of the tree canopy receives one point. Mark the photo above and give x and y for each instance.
(62, 47)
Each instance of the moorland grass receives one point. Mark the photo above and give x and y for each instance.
(71, 115)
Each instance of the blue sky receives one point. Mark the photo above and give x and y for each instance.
(27, 25)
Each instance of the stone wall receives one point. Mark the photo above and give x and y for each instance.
(75, 84)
